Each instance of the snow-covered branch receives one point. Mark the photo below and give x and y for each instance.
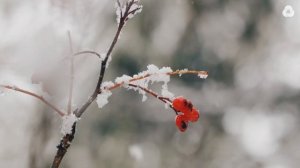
(154, 76)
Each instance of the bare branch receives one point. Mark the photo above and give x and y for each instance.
(34, 95)
(69, 108)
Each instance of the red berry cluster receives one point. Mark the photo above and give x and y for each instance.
(186, 113)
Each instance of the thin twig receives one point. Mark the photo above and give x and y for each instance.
(34, 95)
(161, 98)
(88, 52)
(69, 108)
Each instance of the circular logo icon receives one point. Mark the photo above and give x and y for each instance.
(288, 11)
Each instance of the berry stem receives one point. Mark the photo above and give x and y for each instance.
(161, 98)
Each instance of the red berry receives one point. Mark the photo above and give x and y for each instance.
(188, 113)
(183, 105)
(193, 116)
(180, 123)
(178, 103)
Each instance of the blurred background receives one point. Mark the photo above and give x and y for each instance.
(249, 104)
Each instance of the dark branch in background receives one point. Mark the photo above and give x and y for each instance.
(68, 138)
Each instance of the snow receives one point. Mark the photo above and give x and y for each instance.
(202, 75)
(106, 85)
(108, 61)
(152, 69)
(67, 123)
(119, 12)
(165, 92)
(123, 79)
(155, 75)
(102, 58)
(161, 75)
(152, 74)
(158, 75)
(144, 98)
(136, 7)
(102, 98)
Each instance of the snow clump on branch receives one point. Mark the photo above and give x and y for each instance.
(152, 74)
(102, 98)
(67, 123)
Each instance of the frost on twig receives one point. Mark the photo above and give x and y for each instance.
(102, 98)
(140, 81)
(128, 10)
(154, 74)
(67, 123)
(202, 75)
